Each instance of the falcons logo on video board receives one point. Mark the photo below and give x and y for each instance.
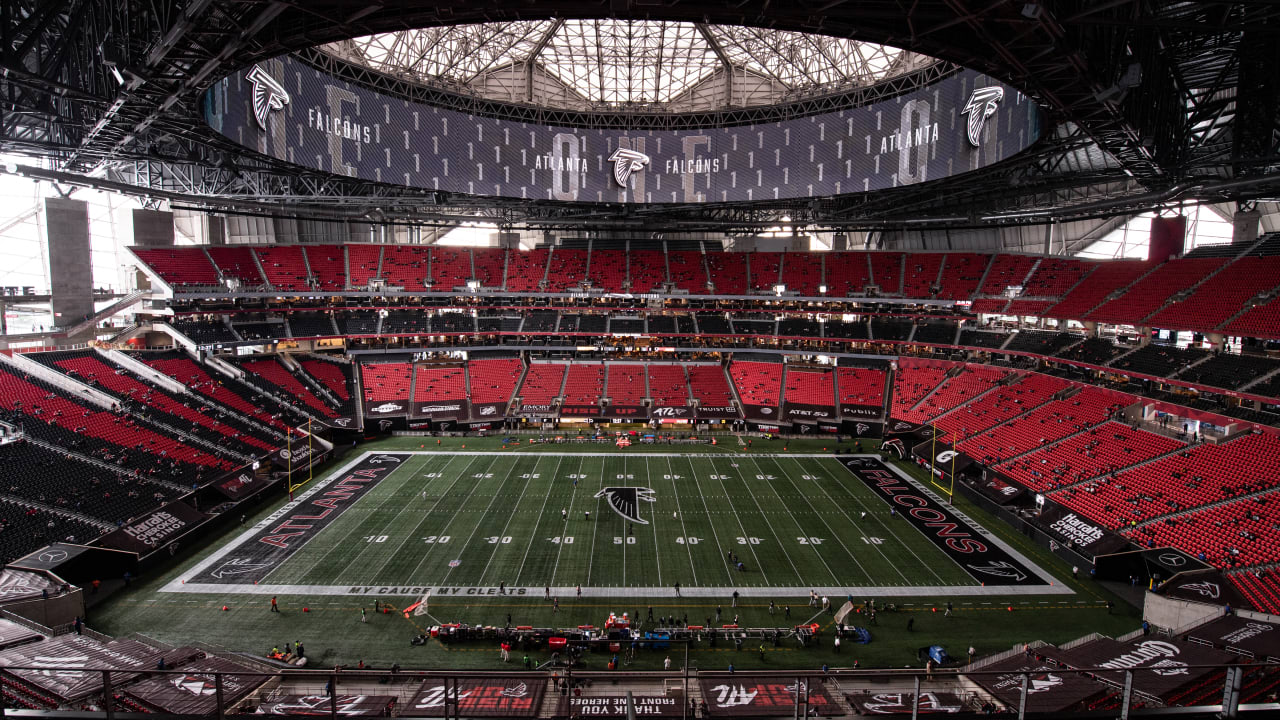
(268, 94)
(982, 105)
(626, 501)
(626, 161)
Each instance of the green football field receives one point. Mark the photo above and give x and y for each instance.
(333, 552)
(599, 524)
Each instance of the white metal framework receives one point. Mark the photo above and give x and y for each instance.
(623, 63)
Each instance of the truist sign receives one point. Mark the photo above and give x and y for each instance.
(714, 412)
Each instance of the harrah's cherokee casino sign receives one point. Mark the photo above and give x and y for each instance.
(286, 109)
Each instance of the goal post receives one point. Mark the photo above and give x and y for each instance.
(418, 608)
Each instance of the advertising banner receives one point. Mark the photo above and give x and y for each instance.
(488, 411)
(638, 412)
(944, 458)
(1075, 531)
(452, 409)
(766, 413)
(798, 412)
(569, 411)
(672, 412)
(761, 698)
(477, 698)
(861, 412)
(156, 530)
(385, 408)
(616, 706)
(716, 412)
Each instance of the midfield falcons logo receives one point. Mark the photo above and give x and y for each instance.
(895, 446)
(982, 105)
(268, 94)
(626, 501)
(1000, 568)
(626, 161)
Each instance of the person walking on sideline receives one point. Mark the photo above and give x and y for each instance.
(363, 617)
(735, 598)
(274, 608)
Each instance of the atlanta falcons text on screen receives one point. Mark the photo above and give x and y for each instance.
(922, 135)
(554, 161)
(695, 166)
(342, 127)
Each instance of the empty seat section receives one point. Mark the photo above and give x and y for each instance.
(236, 262)
(710, 386)
(1048, 423)
(667, 384)
(494, 380)
(364, 261)
(1258, 321)
(1056, 276)
(450, 268)
(847, 273)
(1149, 293)
(758, 383)
(802, 273)
(489, 263)
(921, 274)
(25, 529)
(913, 381)
(337, 378)
(1104, 449)
(110, 437)
(765, 270)
(646, 268)
(1006, 271)
(1237, 533)
(91, 370)
(328, 266)
(584, 384)
(990, 306)
(1023, 308)
(810, 387)
(608, 269)
(434, 383)
(385, 381)
(728, 272)
(542, 383)
(969, 384)
(687, 271)
(311, 324)
(626, 384)
(406, 322)
(886, 272)
(1000, 405)
(1106, 278)
(1263, 592)
(180, 267)
(405, 266)
(525, 269)
(285, 267)
(566, 269)
(187, 372)
(961, 275)
(1222, 295)
(273, 373)
(1196, 476)
(861, 386)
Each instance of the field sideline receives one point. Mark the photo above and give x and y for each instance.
(492, 523)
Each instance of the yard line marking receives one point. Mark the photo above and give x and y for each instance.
(693, 472)
(555, 475)
(849, 517)
(834, 534)
(449, 522)
(657, 555)
(514, 509)
(301, 573)
(878, 520)
(488, 508)
(675, 493)
(742, 527)
(595, 527)
(569, 514)
(425, 515)
(776, 537)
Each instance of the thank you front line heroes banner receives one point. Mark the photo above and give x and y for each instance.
(289, 110)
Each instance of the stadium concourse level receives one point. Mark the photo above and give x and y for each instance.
(1233, 294)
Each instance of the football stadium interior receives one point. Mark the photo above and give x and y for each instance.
(744, 359)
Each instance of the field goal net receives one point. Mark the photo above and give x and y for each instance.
(420, 607)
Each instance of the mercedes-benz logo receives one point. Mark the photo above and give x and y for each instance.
(1172, 560)
(52, 556)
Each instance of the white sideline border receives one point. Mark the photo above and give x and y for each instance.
(181, 583)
